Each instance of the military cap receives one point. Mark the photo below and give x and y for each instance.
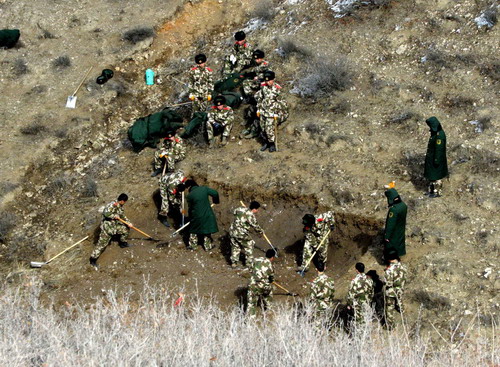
(269, 75)
(200, 58)
(258, 54)
(219, 100)
(240, 36)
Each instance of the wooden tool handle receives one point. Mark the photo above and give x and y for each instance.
(283, 288)
(317, 249)
(69, 248)
(134, 228)
(81, 83)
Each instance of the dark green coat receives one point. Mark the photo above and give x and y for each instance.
(436, 166)
(395, 223)
(201, 216)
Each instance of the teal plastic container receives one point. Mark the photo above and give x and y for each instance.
(150, 77)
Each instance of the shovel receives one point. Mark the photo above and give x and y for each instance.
(302, 272)
(286, 290)
(71, 101)
(37, 264)
(264, 235)
(184, 226)
(138, 230)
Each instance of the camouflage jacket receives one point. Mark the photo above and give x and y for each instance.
(173, 147)
(258, 69)
(170, 181)
(322, 292)
(313, 235)
(223, 117)
(201, 81)
(360, 290)
(241, 56)
(395, 279)
(111, 210)
(262, 272)
(244, 221)
(269, 100)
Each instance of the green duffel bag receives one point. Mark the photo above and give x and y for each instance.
(199, 118)
(228, 84)
(9, 37)
(233, 99)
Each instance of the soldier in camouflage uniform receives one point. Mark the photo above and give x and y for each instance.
(111, 226)
(322, 292)
(239, 234)
(240, 57)
(201, 84)
(260, 286)
(220, 117)
(171, 195)
(171, 150)
(315, 229)
(254, 73)
(360, 294)
(395, 279)
(272, 109)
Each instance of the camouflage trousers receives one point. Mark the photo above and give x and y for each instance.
(206, 239)
(393, 305)
(310, 248)
(359, 309)
(225, 132)
(436, 187)
(169, 161)
(200, 104)
(239, 245)
(250, 87)
(257, 292)
(267, 125)
(169, 202)
(108, 230)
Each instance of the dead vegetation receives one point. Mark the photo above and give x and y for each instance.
(33, 129)
(7, 222)
(263, 9)
(62, 62)
(20, 67)
(138, 34)
(432, 301)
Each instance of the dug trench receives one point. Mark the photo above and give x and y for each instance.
(169, 266)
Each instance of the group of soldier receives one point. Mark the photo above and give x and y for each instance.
(366, 289)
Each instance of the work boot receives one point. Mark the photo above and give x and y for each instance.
(156, 172)
(211, 143)
(246, 131)
(93, 263)
(252, 133)
(123, 244)
(272, 147)
(224, 140)
(164, 221)
(264, 147)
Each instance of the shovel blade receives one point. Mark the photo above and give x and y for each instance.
(71, 102)
(37, 264)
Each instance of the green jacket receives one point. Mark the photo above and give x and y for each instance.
(395, 223)
(436, 166)
(201, 216)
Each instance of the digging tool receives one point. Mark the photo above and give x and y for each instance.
(164, 168)
(264, 235)
(184, 226)
(302, 272)
(71, 101)
(286, 290)
(138, 230)
(179, 104)
(183, 212)
(276, 136)
(37, 264)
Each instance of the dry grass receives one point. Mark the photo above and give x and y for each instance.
(138, 34)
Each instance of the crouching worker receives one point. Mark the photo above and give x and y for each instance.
(220, 121)
(260, 287)
(170, 151)
(112, 226)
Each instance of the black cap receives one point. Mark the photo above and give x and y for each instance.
(240, 36)
(320, 266)
(258, 54)
(123, 197)
(219, 100)
(254, 205)
(391, 255)
(200, 58)
(308, 220)
(270, 253)
(269, 75)
(360, 267)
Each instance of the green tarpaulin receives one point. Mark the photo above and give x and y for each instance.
(9, 37)
(228, 84)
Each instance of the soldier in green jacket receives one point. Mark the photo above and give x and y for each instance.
(239, 234)
(360, 293)
(202, 221)
(395, 223)
(260, 286)
(436, 166)
(395, 279)
(111, 226)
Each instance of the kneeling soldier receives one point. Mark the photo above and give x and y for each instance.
(169, 152)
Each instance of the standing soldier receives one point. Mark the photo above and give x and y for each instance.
(360, 293)
(239, 234)
(315, 230)
(436, 165)
(322, 291)
(220, 118)
(395, 279)
(395, 223)
(271, 109)
(200, 84)
(170, 151)
(111, 226)
(202, 222)
(171, 194)
(260, 283)
(239, 57)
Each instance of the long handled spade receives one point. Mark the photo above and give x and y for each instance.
(71, 101)
(264, 235)
(184, 226)
(37, 264)
(302, 272)
(182, 209)
(138, 230)
(286, 290)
